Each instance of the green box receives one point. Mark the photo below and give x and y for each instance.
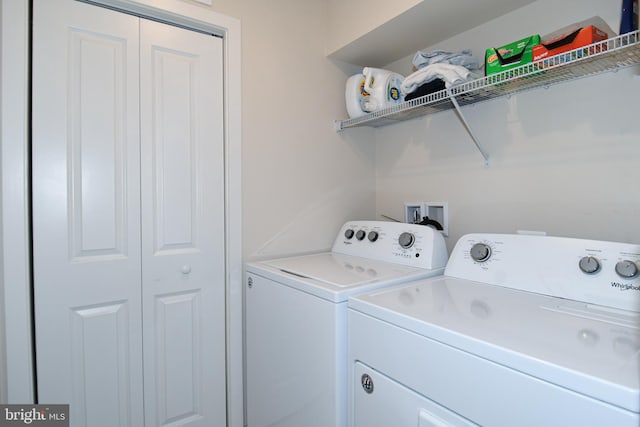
(509, 56)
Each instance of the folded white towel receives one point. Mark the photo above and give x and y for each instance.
(450, 74)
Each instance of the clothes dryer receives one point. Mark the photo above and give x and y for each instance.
(519, 331)
(296, 318)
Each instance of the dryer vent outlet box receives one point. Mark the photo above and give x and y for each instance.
(414, 212)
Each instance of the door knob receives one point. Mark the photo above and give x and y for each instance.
(186, 269)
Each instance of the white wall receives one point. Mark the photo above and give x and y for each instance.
(301, 180)
(351, 19)
(563, 160)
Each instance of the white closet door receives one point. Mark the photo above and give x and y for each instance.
(86, 212)
(183, 227)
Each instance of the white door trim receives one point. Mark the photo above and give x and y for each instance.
(16, 275)
(15, 237)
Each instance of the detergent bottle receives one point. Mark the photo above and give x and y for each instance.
(383, 87)
(355, 96)
(629, 19)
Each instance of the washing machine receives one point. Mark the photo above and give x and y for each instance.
(521, 330)
(296, 318)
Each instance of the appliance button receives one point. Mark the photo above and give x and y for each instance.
(627, 269)
(360, 234)
(589, 265)
(367, 383)
(480, 252)
(373, 236)
(348, 233)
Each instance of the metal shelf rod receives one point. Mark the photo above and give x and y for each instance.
(468, 127)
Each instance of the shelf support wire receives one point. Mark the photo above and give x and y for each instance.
(467, 126)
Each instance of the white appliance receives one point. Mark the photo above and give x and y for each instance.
(296, 314)
(520, 331)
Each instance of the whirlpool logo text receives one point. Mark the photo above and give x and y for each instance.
(625, 286)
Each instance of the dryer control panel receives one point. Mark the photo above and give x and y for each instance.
(590, 271)
(408, 244)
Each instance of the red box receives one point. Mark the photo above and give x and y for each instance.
(581, 37)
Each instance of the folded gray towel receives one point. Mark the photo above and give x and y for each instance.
(464, 59)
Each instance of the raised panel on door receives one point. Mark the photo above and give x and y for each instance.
(183, 228)
(86, 212)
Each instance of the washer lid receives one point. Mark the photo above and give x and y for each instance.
(343, 271)
(334, 276)
(593, 350)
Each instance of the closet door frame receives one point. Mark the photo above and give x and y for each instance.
(15, 244)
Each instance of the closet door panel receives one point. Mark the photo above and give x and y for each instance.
(177, 351)
(86, 212)
(99, 356)
(174, 150)
(183, 231)
(96, 157)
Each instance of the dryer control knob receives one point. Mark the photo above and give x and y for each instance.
(406, 240)
(348, 233)
(360, 234)
(589, 265)
(373, 236)
(627, 269)
(480, 252)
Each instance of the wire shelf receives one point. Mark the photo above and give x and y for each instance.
(608, 55)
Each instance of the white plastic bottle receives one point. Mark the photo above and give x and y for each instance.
(355, 96)
(383, 87)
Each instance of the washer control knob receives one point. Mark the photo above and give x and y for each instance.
(480, 252)
(406, 240)
(373, 236)
(589, 265)
(348, 233)
(627, 269)
(360, 234)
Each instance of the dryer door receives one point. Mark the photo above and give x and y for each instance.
(379, 401)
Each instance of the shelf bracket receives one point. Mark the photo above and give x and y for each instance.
(467, 126)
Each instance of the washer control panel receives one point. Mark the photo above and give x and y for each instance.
(407, 244)
(596, 272)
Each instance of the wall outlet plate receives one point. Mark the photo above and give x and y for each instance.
(414, 212)
(438, 211)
